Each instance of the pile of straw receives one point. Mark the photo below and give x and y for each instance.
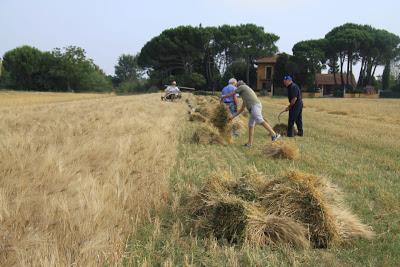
(221, 120)
(204, 110)
(194, 116)
(206, 135)
(281, 128)
(220, 117)
(299, 210)
(282, 149)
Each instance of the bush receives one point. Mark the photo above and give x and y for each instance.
(136, 87)
(195, 80)
(396, 88)
(153, 89)
(349, 88)
(97, 82)
(338, 92)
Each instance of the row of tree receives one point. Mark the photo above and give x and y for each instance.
(341, 49)
(205, 58)
(67, 69)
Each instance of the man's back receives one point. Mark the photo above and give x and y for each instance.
(172, 89)
(248, 95)
(226, 90)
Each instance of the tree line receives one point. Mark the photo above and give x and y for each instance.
(66, 69)
(205, 58)
(339, 51)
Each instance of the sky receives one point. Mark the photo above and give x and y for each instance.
(108, 28)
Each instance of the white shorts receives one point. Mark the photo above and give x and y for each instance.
(256, 115)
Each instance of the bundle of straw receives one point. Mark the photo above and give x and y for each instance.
(281, 149)
(206, 135)
(299, 210)
(194, 116)
(281, 128)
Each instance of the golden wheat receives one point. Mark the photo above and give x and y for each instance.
(77, 177)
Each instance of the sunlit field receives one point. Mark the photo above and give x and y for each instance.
(77, 177)
(91, 180)
(17, 98)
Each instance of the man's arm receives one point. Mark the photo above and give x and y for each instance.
(229, 95)
(236, 100)
(292, 103)
(239, 111)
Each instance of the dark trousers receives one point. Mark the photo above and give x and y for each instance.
(295, 116)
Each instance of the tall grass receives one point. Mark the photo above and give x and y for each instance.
(78, 177)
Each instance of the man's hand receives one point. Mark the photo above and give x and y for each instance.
(287, 108)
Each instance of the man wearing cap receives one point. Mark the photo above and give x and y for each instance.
(232, 101)
(295, 107)
(253, 105)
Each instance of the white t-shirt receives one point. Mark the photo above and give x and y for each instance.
(172, 89)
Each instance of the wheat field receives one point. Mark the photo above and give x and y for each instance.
(94, 180)
(78, 173)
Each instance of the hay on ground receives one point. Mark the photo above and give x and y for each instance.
(304, 203)
(197, 117)
(205, 111)
(206, 135)
(299, 210)
(263, 229)
(281, 149)
(220, 117)
(335, 112)
(281, 128)
(238, 125)
(350, 226)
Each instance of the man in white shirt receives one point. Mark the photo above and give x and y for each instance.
(172, 89)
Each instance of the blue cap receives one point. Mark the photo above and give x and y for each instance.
(288, 78)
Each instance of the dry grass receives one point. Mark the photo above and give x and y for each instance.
(303, 202)
(299, 210)
(281, 128)
(23, 99)
(197, 117)
(264, 230)
(204, 110)
(335, 112)
(280, 149)
(77, 177)
(206, 135)
(220, 117)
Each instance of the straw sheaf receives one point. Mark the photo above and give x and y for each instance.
(206, 135)
(197, 117)
(263, 229)
(302, 202)
(281, 128)
(280, 149)
(300, 210)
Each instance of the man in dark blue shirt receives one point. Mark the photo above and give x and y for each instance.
(295, 107)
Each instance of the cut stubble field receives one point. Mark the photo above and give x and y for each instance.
(99, 180)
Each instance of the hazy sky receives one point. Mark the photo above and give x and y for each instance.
(107, 29)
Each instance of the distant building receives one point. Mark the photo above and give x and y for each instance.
(265, 73)
(326, 82)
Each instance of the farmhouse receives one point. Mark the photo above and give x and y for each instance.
(327, 83)
(265, 73)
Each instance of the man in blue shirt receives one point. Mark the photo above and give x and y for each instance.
(295, 107)
(232, 101)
